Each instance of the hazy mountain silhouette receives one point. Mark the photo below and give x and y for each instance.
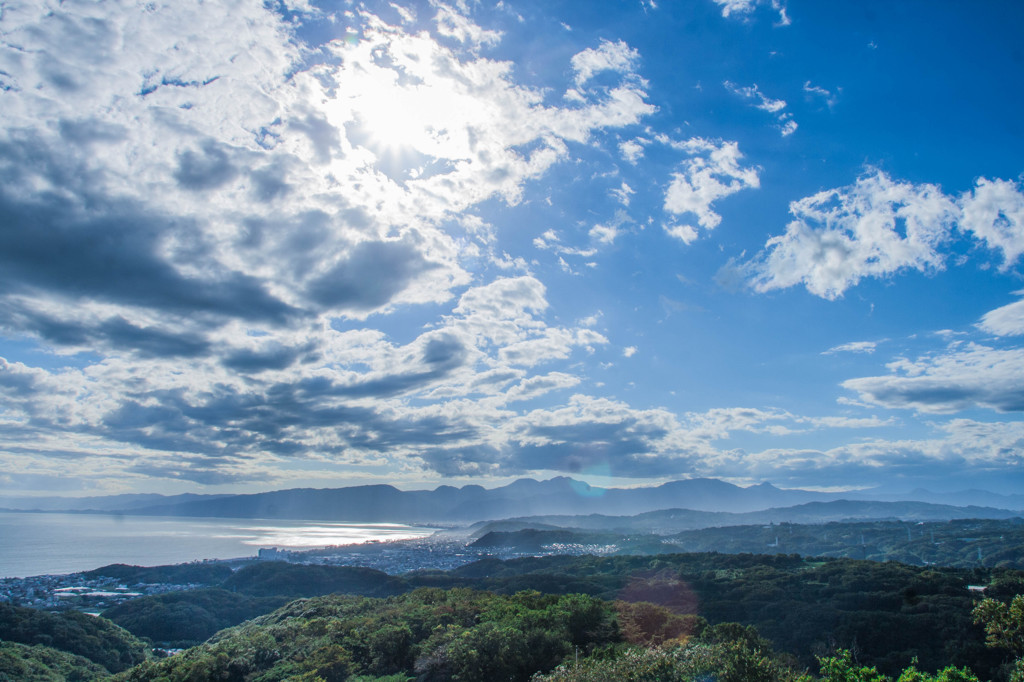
(524, 498)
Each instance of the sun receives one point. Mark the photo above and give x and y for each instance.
(392, 119)
(407, 125)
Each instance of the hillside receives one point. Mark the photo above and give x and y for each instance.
(96, 640)
(771, 618)
(890, 612)
(433, 635)
(964, 543)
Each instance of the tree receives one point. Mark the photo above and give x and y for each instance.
(1004, 628)
(840, 668)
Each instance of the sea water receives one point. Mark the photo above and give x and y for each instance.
(54, 543)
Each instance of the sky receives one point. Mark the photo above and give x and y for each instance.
(251, 245)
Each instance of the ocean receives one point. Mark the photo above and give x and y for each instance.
(45, 543)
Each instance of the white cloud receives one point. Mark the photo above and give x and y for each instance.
(623, 193)
(633, 150)
(408, 15)
(757, 99)
(827, 96)
(994, 213)
(963, 377)
(629, 351)
(959, 446)
(687, 234)
(552, 241)
(736, 6)
(853, 347)
(455, 24)
(873, 228)
(1005, 321)
(747, 7)
(609, 56)
(200, 206)
(878, 227)
(604, 234)
(712, 173)
(537, 386)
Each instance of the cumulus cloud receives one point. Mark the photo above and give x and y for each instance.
(994, 213)
(609, 56)
(632, 150)
(185, 181)
(712, 172)
(879, 226)
(873, 228)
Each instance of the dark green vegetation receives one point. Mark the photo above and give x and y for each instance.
(961, 543)
(464, 635)
(889, 613)
(23, 663)
(186, 618)
(183, 619)
(179, 574)
(1004, 628)
(95, 639)
(649, 615)
(644, 625)
(433, 634)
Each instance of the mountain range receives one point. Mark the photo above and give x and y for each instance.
(525, 497)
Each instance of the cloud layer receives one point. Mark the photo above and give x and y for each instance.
(203, 200)
(245, 243)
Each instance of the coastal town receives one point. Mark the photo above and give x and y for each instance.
(92, 593)
(77, 591)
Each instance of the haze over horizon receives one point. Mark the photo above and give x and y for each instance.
(248, 246)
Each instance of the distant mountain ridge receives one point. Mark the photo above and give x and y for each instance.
(668, 521)
(108, 503)
(561, 496)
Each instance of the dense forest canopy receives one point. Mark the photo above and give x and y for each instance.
(781, 616)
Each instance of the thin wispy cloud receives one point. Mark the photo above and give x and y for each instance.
(745, 8)
(757, 99)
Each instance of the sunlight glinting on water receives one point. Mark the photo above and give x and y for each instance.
(325, 535)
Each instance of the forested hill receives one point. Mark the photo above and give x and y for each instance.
(737, 618)
(889, 612)
(964, 543)
(668, 521)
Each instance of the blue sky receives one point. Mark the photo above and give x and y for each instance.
(247, 245)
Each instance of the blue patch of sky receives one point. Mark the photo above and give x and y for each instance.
(34, 354)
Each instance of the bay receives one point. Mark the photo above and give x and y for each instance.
(54, 543)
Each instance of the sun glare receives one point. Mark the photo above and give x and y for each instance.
(404, 123)
(391, 119)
